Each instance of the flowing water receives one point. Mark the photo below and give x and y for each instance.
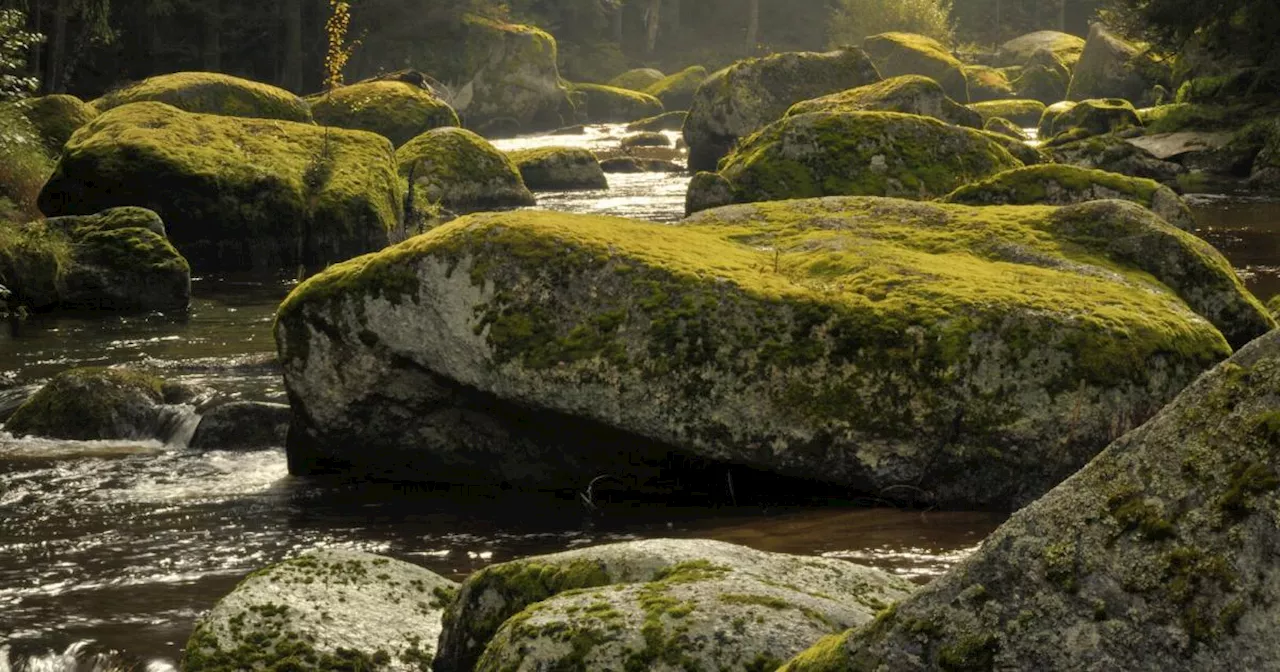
(125, 543)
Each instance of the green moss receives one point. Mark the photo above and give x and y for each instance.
(1134, 512)
(462, 171)
(264, 645)
(607, 104)
(861, 153)
(1060, 566)
(829, 654)
(55, 117)
(1095, 117)
(638, 79)
(33, 264)
(909, 94)
(909, 54)
(975, 653)
(1006, 128)
(395, 110)
(1023, 112)
(987, 83)
(676, 91)
(211, 93)
(84, 404)
(1047, 127)
(25, 164)
(1251, 480)
(1068, 184)
(667, 121)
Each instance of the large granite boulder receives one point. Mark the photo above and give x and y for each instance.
(861, 154)
(1045, 78)
(606, 104)
(749, 95)
(980, 354)
(95, 404)
(1056, 184)
(396, 110)
(908, 94)
(1110, 67)
(655, 604)
(1158, 555)
(908, 54)
(234, 193)
(676, 91)
(559, 168)
(327, 609)
(461, 171)
(211, 93)
(1093, 117)
(1114, 155)
(1019, 50)
(241, 425)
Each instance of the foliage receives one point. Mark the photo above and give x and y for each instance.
(14, 43)
(851, 21)
(24, 163)
(1242, 29)
(340, 50)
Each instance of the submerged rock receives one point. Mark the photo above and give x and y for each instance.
(396, 110)
(1110, 67)
(908, 94)
(242, 425)
(328, 609)
(749, 95)
(235, 194)
(644, 604)
(861, 154)
(676, 91)
(462, 171)
(646, 139)
(1158, 555)
(559, 168)
(633, 164)
(94, 404)
(667, 121)
(898, 54)
(211, 93)
(606, 104)
(1056, 184)
(452, 356)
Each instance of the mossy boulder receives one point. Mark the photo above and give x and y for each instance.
(95, 404)
(860, 154)
(1238, 85)
(1046, 127)
(645, 139)
(981, 354)
(638, 79)
(749, 95)
(461, 171)
(667, 121)
(235, 194)
(1095, 117)
(396, 110)
(1041, 83)
(676, 91)
(1265, 174)
(706, 191)
(1066, 47)
(1155, 556)
(636, 605)
(909, 54)
(1023, 112)
(559, 168)
(1110, 67)
(908, 94)
(987, 83)
(55, 118)
(1056, 184)
(1006, 128)
(211, 93)
(327, 609)
(607, 104)
(242, 425)
(1114, 155)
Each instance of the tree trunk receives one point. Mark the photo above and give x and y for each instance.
(57, 47)
(654, 21)
(1062, 16)
(673, 16)
(293, 45)
(753, 25)
(37, 51)
(617, 23)
(211, 51)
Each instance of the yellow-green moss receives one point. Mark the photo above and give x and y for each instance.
(909, 94)
(638, 79)
(461, 170)
(25, 164)
(676, 91)
(83, 403)
(559, 168)
(1023, 112)
(610, 104)
(910, 54)
(1096, 117)
(829, 654)
(1031, 185)
(56, 117)
(211, 93)
(33, 264)
(395, 110)
(987, 83)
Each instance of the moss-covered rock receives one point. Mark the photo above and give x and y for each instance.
(860, 154)
(25, 165)
(980, 354)
(1046, 127)
(559, 168)
(55, 118)
(93, 404)
(1041, 83)
(667, 121)
(211, 93)
(1155, 556)
(234, 193)
(607, 104)
(461, 171)
(1019, 50)
(1110, 67)
(1056, 184)
(1006, 128)
(749, 95)
(1019, 149)
(908, 54)
(1114, 155)
(396, 110)
(1252, 84)
(645, 139)
(676, 91)
(1094, 117)
(908, 94)
(987, 83)
(1023, 112)
(326, 610)
(1265, 174)
(651, 604)
(637, 79)
(706, 191)
(635, 164)
(242, 425)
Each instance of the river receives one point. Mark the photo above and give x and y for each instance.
(125, 543)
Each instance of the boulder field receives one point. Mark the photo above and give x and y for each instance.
(978, 354)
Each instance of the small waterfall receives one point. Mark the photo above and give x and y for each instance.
(177, 425)
(77, 658)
